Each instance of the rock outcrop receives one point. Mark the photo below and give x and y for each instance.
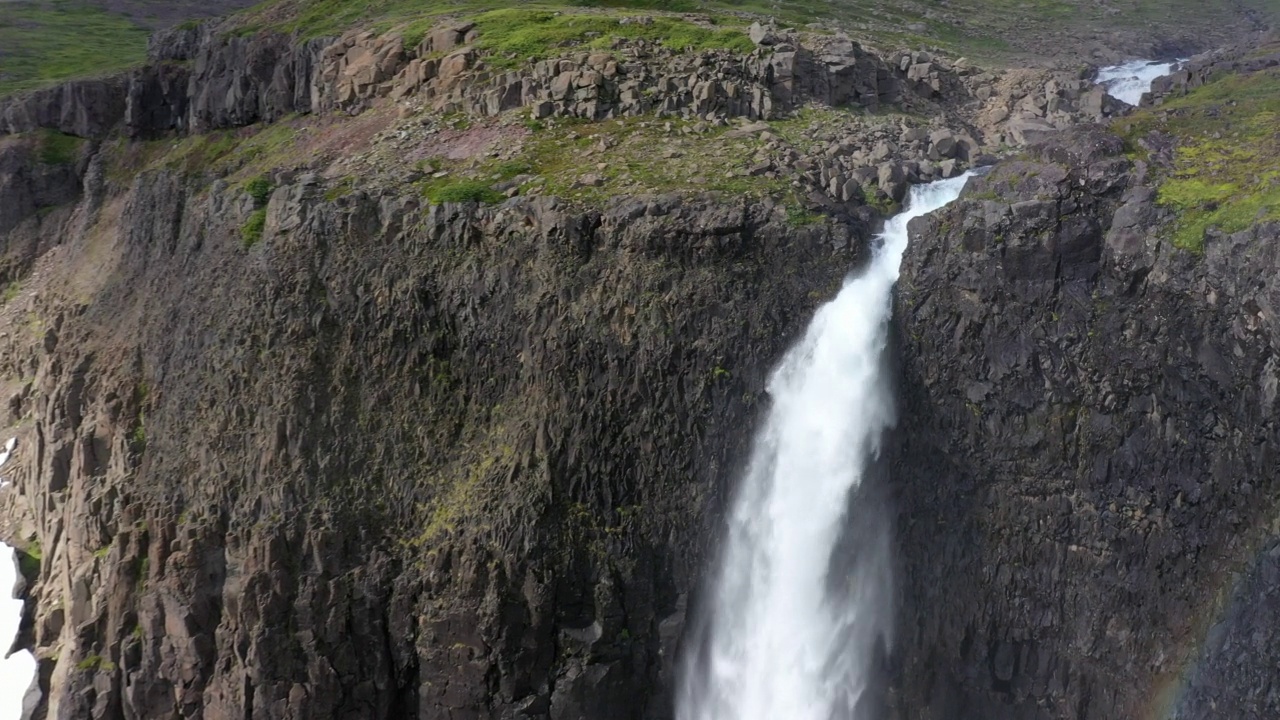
(1087, 450)
(30, 184)
(200, 79)
(1203, 68)
(84, 108)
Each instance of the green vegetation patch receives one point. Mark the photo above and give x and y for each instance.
(29, 559)
(251, 231)
(1225, 172)
(590, 162)
(519, 35)
(197, 153)
(55, 148)
(319, 18)
(535, 30)
(996, 30)
(340, 189)
(95, 663)
(259, 189)
(457, 191)
(249, 150)
(48, 41)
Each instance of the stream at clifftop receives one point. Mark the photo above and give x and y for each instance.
(1128, 82)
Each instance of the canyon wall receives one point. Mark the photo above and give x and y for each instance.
(451, 460)
(1087, 455)
(467, 461)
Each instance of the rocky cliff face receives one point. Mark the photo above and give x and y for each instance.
(204, 78)
(395, 459)
(465, 461)
(1087, 452)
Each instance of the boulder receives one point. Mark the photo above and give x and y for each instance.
(883, 151)
(943, 143)
(761, 35)
(1023, 129)
(892, 180)
(447, 38)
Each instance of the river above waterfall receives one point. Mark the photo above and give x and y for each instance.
(1131, 80)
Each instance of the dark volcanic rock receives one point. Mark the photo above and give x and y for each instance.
(1087, 450)
(198, 80)
(28, 185)
(393, 461)
(157, 100)
(85, 108)
(1246, 57)
(1234, 672)
(241, 80)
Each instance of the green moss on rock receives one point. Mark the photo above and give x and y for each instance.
(251, 231)
(55, 148)
(457, 191)
(1225, 170)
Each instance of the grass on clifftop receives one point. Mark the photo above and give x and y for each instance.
(590, 162)
(534, 34)
(1226, 164)
(533, 30)
(993, 30)
(520, 30)
(45, 42)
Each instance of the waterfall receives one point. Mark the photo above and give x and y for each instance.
(801, 612)
(1128, 82)
(17, 670)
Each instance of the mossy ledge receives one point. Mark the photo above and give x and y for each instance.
(1216, 150)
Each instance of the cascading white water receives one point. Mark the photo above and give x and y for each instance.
(802, 604)
(1129, 81)
(17, 670)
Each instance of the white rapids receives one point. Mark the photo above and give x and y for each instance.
(801, 610)
(1128, 82)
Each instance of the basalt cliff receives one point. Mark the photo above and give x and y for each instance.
(361, 378)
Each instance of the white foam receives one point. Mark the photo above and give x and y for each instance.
(794, 630)
(1128, 82)
(18, 671)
